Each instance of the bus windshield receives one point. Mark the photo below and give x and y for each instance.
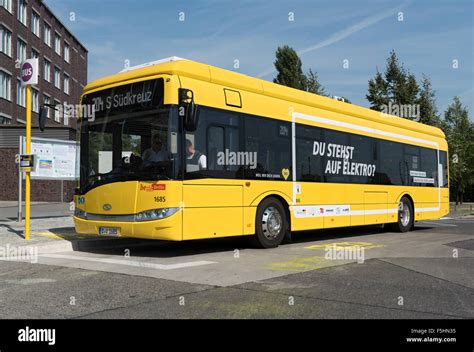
(132, 146)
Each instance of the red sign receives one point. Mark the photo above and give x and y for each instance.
(153, 187)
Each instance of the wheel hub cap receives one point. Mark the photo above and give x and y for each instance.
(405, 214)
(271, 223)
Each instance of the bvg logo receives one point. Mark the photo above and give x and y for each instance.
(107, 207)
(81, 200)
(153, 187)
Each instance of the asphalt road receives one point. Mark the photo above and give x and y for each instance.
(427, 273)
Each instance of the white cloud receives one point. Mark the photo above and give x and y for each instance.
(346, 32)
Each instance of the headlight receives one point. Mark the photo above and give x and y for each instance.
(155, 214)
(78, 213)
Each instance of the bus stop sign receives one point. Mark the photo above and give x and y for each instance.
(29, 72)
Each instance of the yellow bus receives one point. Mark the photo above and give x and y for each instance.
(179, 150)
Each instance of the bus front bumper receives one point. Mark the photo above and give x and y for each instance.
(163, 229)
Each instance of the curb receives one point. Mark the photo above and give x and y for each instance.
(64, 245)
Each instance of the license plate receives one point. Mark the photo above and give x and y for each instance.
(109, 231)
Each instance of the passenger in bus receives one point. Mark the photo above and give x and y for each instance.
(195, 159)
(156, 153)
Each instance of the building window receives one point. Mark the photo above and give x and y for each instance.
(22, 11)
(5, 120)
(66, 84)
(35, 100)
(34, 54)
(47, 100)
(67, 50)
(21, 50)
(66, 117)
(57, 43)
(35, 23)
(47, 34)
(7, 4)
(5, 41)
(47, 70)
(57, 78)
(5, 85)
(57, 111)
(20, 94)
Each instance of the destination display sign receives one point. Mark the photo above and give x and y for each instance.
(140, 96)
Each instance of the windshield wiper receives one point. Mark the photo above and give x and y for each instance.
(92, 179)
(98, 175)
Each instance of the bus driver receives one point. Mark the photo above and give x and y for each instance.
(156, 153)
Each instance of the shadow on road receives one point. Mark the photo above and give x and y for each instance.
(169, 249)
(10, 229)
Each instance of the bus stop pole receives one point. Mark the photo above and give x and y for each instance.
(20, 181)
(28, 151)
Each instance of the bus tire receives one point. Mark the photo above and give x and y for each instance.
(406, 216)
(271, 224)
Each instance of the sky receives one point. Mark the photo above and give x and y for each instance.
(431, 37)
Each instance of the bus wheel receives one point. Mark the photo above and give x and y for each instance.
(406, 216)
(271, 224)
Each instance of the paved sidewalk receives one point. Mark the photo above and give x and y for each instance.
(42, 233)
(9, 210)
(52, 235)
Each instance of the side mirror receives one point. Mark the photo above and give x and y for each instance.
(186, 101)
(191, 119)
(43, 114)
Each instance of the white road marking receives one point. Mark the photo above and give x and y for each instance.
(129, 262)
(30, 281)
(438, 223)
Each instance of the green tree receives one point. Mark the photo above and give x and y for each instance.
(395, 79)
(377, 95)
(290, 72)
(311, 83)
(427, 102)
(396, 86)
(409, 90)
(459, 132)
(288, 65)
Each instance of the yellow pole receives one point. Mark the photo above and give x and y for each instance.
(28, 151)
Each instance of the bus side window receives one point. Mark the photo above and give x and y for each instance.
(216, 137)
(269, 142)
(215, 146)
(309, 166)
(429, 161)
(443, 160)
(391, 163)
(338, 138)
(363, 153)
